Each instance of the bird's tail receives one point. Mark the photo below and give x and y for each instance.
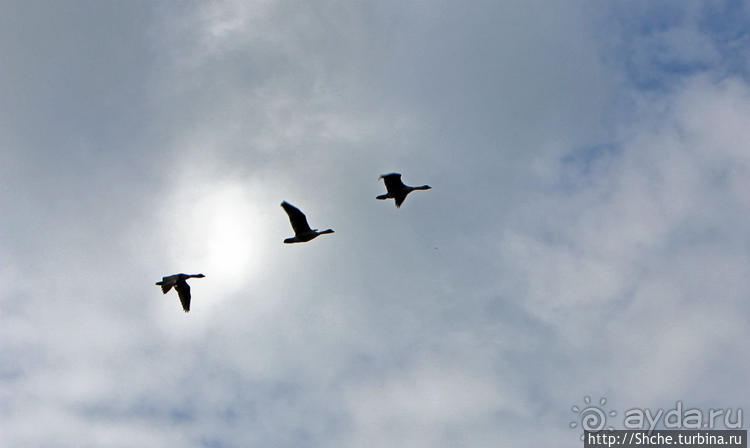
(164, 288)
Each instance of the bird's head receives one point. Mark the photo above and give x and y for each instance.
(199, 276)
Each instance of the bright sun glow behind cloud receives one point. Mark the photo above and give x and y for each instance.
(216, 230)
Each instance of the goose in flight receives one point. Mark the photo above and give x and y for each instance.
(302, 231)
(179, 283)
(396, 189)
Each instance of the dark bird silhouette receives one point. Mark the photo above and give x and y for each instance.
(396, 189)
(302, 231)
(180, 284)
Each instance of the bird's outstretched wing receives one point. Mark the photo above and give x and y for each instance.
(297, 218)
(400, 197)
(183, 290)
(392, 182)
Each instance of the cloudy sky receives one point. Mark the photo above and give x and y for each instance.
(586, 234)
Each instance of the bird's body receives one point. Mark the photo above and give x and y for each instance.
(180, 285)
(396, 189)
(302, 231)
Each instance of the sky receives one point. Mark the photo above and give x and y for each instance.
(586, 234)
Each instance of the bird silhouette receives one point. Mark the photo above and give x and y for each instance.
(180, 284)
(396, 189)
(302, 231)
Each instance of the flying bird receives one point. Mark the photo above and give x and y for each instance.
(180, 284)
(396, 189)
(302, 231)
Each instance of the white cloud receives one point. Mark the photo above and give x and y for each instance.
(643, 267)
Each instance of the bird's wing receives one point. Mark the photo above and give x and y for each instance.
(183, 290)
(400, 197)
(297, 218)
(392, 182)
